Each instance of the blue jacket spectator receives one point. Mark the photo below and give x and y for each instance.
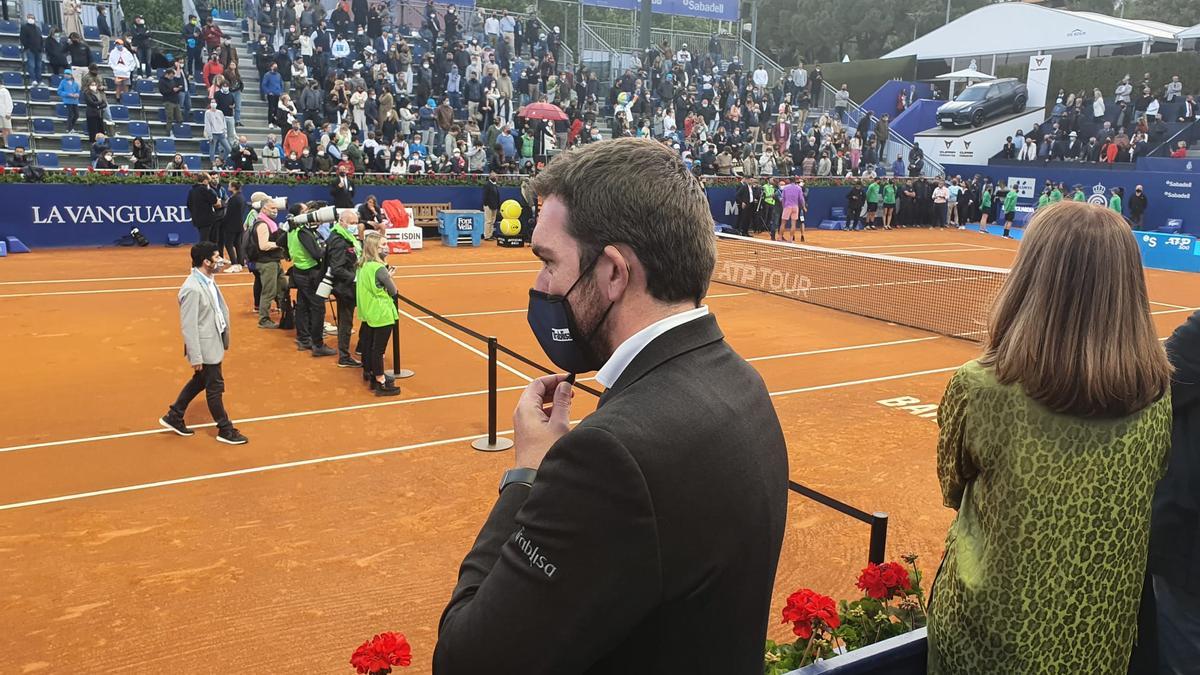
(508, 144)
(68, 91)
(272, 84)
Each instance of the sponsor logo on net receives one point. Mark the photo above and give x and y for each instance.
(762, 277)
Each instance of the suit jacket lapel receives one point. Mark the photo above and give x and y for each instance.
(679, 340)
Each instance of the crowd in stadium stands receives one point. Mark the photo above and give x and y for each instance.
(347, 88)
(1120, 129)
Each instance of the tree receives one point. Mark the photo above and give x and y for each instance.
(1178, 12)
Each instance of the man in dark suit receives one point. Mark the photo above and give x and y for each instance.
(1175, 523)
(747, 203)
(205, 207)
(491, 206)
(657, 521)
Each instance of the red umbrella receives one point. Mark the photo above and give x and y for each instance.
(542, 111)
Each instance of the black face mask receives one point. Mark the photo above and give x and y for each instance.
(558, 333)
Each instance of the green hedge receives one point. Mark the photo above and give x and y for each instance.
(865, 76)
(1086, 74)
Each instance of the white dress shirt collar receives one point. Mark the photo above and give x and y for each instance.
(630, 348)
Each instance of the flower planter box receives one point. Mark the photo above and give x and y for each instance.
(901, 655)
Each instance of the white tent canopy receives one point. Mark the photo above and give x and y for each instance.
(966, 74)
(1189, 33)
(1011, 27)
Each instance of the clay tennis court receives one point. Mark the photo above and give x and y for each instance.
(128, 549)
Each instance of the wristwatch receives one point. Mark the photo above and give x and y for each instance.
(524, 476)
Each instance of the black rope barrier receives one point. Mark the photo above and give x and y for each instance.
(878, 520)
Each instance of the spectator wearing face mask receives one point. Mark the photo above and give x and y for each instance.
(123, 64)
(272, 155)
(342, 253)
(96, 104)
(216, 130)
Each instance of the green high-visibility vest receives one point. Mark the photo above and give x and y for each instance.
(300, 257)
(769, 194)
(873, 193)
(985, 201)
(1056, 195)
(1010, 201)
(1079, 196)
(375, 306)
(1044, 200)
(1115, 203)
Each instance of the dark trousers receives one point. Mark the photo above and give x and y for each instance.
(745, 218)
(72, 117)
(257, 287)
(194, 63)
(345, 324)
(231, 243)
(374, 342)
(94, 126)
(310, 308)
(210, 381)
(206, 233)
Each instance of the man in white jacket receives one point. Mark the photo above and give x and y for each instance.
(6, 111)
(123, 63)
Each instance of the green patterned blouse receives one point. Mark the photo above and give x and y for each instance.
(1045, 559)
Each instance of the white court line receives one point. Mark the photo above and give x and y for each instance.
(1167, 304)
(525, 309)
(851, 383)
(262, 418)
(384, 451)
(181, 277)
(365, 406)
(176, 288)
(466, 346)
(1173, 311)
(948, 250)
(922, 243)
(832, 350)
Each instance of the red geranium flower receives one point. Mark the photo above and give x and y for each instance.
(377, 655)
(885, 581)
(807, 610)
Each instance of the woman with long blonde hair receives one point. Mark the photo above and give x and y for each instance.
(1050, 447)
(376, 300)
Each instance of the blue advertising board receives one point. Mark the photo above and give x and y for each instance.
(1165, 251)
(721, 10)
(1170, 196)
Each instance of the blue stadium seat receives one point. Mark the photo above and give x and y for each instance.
(13, 79)
(109, 84)
(205, 147)
(139, 129)
(197, 117)
(119, 144)
(10, 28)
(47, 160)
(146, 86)
(20, 109)
(40, 94)
(131, 99)
(165, 146)
(18, 141)
(60, 110)
(96, 57)
(192, 162)
(43, 125)
(182, 131)
(226, 14)
(162, 115)
(119, 113)
(10, 51)
(54, 81)
(91, 33)
(72, 143)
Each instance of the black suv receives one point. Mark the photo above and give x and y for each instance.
(980, 101)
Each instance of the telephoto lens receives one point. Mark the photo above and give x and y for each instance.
(325, 288)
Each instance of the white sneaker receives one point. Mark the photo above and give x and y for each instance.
(330, 329)
(230, 270)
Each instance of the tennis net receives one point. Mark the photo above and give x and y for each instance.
(944, 298)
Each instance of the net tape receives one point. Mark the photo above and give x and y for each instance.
(944, 298)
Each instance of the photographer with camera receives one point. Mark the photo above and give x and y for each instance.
(307, 251)
(342, 253)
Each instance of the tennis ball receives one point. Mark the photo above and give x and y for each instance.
(510, 209)
(510, 227)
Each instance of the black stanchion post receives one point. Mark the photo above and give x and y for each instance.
(397, 372)
(879, 527)
(492, 443)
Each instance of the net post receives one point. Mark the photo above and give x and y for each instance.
(879, 527)
(397, 372)
(492, 443)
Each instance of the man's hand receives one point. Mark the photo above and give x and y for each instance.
(198, 367)
(536, 428)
